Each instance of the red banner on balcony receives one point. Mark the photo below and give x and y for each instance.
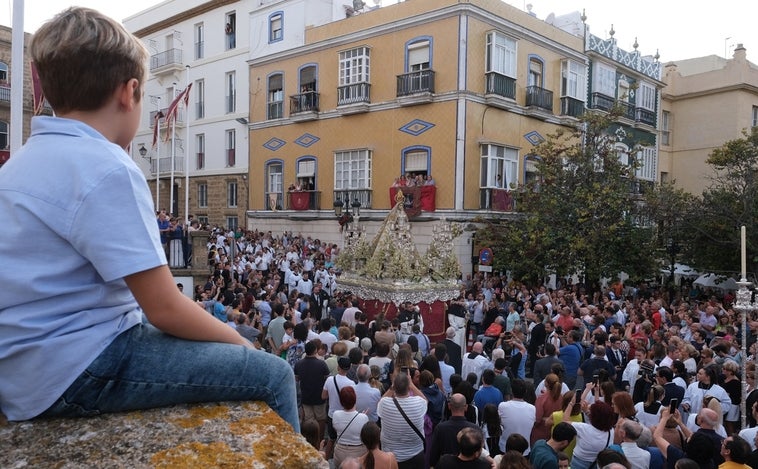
(5, 155)
(300, 200)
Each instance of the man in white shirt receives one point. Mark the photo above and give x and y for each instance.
(517, 415)
(440, 352)
(348, 316)
(367, 396)
(630, 431)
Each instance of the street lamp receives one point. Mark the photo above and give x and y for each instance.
(338, 204)
(356, 205)
(142, 150)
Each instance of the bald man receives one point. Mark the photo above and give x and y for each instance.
(475, 362)
(444, 439)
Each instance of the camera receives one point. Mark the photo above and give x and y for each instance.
(646, 371)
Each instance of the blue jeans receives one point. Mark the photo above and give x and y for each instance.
(144, 368)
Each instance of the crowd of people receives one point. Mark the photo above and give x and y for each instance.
(624, 375)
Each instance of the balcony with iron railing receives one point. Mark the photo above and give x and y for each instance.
(349, 196)
(354, 93)
(303, 200)
(539, 97)
(5, 93)
(166, 62)
(645, 116)
(495, 199)
(421, 81)
(304, 102)
(500, 85)
(165, 165)
(627, 110)
(601, 101)
(571, 106)
(274, 201)
(275, 110)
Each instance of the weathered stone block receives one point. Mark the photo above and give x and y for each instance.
(226, 435)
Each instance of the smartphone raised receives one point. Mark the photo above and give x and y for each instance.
(673, 404)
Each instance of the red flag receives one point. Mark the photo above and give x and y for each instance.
(156, 126)
(38, 99)
(173, 108)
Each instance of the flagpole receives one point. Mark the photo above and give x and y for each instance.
(17, 77)
(173, 159)
(186, 161)
(158, 168)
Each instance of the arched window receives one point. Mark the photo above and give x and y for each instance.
(416, 161)
(306, 172)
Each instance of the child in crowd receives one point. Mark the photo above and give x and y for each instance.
(95, 323)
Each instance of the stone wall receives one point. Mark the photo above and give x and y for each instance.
(228, 435)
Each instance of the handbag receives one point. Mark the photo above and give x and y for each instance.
(402, 412)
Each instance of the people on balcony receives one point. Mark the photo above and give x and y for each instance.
(429, 181)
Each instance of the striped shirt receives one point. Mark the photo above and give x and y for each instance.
(396, 436)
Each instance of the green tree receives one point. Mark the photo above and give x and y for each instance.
(730, 201)
(581, 215)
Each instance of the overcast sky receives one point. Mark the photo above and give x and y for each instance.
(677, 29)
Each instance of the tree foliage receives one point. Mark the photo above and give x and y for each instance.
(729, 201)
(580, 216)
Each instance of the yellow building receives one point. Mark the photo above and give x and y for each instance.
(706, 102)
(460, 91)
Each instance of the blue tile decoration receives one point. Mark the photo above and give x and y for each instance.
(534, 137)
(274, 144)
(416, 127)
(306, 140)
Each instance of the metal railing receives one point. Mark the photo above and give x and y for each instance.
(645, 116)
(165, 165)
(601, 101)
(168, 57)
(571, 106)
(303, 200)
(275, 110)
(500, 85)
(421, 81)
(274, 201)
(5, 93)
(539, 97)
(348, 196)
(304, 102)
(499, 200)
(355, 93)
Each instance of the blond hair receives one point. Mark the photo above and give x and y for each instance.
(83, 56)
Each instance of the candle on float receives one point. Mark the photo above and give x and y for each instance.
(743, 254)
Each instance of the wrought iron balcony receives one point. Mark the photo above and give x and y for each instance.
(304, 102)
(348, 196)
(571, 107)
(273, 201)
(275, 110)
(421, 81)
(499, 200)
(180, 113)
(303, 200)
(539, 97)
(354, 93)
(627, 110)
(5, 93)
(645, 116)
(601, 101)
(165, 165)
(500, 85)
(168, 60)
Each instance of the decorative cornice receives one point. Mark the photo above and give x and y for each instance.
(711, 91)
(192, 13)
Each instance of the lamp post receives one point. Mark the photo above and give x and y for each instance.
(356, 206)
(744, 305)
(338, 204)
(672, 248)
(143, 153)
